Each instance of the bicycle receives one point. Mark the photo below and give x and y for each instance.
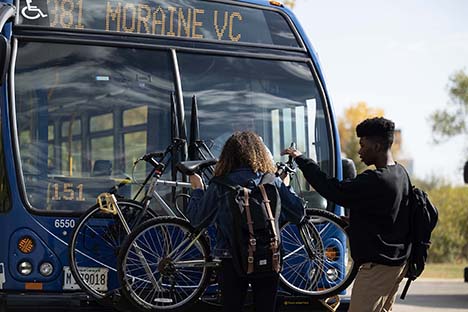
(321, 265)
(171, 246)
(316, 263)
(99, 233)
(165, 263)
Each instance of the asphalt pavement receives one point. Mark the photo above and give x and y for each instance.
(435, 295)
(424, 295)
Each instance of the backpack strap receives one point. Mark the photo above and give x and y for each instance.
(237, 189)
(274, 244)
(225, 181)
(268, 178)
(252, 241)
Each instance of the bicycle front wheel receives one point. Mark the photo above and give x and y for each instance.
(163, 265)
(95, 244)
(317, 260)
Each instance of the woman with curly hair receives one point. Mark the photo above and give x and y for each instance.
(244, 160)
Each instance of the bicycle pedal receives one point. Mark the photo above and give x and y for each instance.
(331, 303)
(107, 203)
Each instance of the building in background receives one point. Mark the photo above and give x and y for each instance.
(399, 153)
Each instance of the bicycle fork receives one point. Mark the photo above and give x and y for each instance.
(193, 263)
(108, 203)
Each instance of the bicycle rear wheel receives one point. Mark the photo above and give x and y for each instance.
(163, 266)
(95, 244)
(317, 260)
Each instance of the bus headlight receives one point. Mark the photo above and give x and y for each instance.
(46, 269)
(25, 268)
(332, 274)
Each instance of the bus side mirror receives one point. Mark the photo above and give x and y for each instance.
(349, 168)
(465, 172)
(5, 51)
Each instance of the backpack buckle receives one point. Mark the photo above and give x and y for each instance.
(250, 259)
(253, 242)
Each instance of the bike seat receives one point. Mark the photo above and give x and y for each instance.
(193, 166)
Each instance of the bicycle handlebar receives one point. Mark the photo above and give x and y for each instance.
(286, 167)
(150, 157)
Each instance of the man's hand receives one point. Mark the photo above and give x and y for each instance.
(285, 177)
(291, 152)
(196, 182)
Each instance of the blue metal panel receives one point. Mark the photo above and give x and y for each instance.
(52, 241)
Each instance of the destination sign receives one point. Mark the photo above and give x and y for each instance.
(194, 19)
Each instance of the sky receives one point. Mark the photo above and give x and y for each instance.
(396, 55)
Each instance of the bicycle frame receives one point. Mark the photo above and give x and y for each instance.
(154, 194)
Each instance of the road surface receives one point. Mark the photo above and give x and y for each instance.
(425, 295)
(435, 295)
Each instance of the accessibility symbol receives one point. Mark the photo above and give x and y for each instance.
(32, 12)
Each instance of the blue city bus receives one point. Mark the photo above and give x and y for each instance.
(86, 89)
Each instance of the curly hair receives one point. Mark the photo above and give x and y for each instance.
(244, 149)
(379, 128)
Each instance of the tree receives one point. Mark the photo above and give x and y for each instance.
(453, 120)
(353, 115)
(290, 3)
(450, 237)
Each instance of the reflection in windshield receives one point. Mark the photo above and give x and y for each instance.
(85, 114)
(82, 115)
(278, 100)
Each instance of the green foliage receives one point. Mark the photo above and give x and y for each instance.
(459, 87)
(445, 270)
(450, 238)
(430, 183)
(452, 120)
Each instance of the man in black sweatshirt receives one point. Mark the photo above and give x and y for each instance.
(379, 219)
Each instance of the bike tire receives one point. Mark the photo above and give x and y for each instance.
(95, 243)
(153, 275)
(323, 266)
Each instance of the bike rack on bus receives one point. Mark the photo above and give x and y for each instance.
(7, 12)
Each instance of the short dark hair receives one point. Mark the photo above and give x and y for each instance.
(377, 127)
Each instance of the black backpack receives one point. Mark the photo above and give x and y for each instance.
(255, 247)
(423, 220)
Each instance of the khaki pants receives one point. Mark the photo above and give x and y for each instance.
(375, 287)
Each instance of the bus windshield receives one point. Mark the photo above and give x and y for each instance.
(85, 113)
(279, 100)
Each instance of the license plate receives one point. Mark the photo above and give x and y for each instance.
(95, 277)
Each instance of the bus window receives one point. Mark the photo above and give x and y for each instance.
(81, 129)
(277, 99)
(102, 145)
(101, 122)
(71, 147)
(135, 141)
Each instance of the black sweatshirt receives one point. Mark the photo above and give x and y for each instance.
(378, 203)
